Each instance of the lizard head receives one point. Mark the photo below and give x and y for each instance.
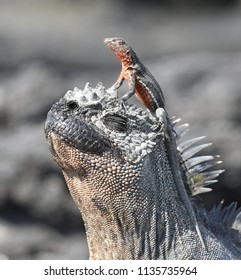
(120, 48)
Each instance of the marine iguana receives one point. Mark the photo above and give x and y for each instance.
(114, 158)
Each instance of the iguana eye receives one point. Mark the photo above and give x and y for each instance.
(72, 105)
(116, 122)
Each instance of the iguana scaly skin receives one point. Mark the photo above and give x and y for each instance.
(115, 160)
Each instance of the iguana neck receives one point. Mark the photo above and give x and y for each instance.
(142, 224)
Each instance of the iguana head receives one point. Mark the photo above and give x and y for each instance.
(95, 122)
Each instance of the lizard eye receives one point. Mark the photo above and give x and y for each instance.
(121, 42)
(116, 122)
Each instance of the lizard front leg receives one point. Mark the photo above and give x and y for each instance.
(131, 79)
(119, 81)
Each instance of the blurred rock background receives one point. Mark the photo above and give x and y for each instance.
(193, 48)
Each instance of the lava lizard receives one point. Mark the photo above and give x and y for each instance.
(139, 78)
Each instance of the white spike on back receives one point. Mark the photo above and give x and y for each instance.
(174, 120)
(198, 180)
(194, 150)
(200, 190)
(201, 167)
(188, 143)
(181, 130)
(196, 160)
(209, 175)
